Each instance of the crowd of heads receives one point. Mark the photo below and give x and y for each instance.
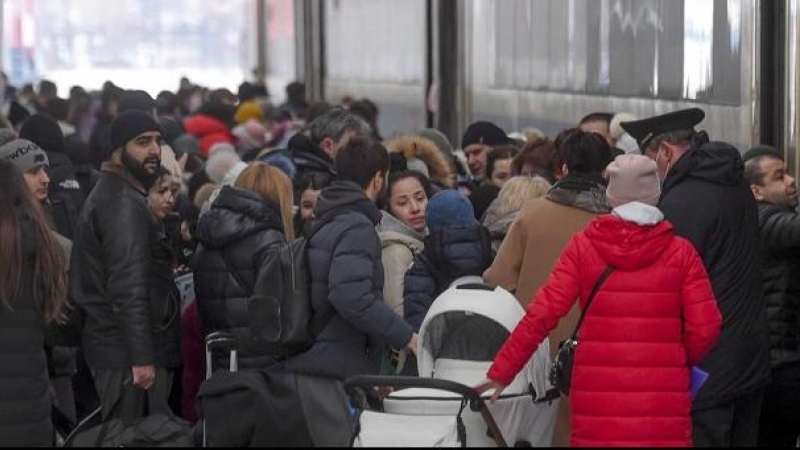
(187, 144)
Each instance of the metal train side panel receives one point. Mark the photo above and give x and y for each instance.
(377, 49)
(547, 63)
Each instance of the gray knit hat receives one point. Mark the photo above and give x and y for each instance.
(24, 154)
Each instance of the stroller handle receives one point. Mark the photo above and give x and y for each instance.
(363, 385)
(476, 287)
(367, 382)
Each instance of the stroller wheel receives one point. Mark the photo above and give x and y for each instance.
(522, 444)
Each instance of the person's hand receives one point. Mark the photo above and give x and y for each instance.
(412, 345)
(487, 385)
(186, 234)
(144, 376)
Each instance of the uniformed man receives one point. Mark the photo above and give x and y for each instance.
(708, 201)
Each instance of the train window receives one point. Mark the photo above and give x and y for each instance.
(645, 48)
(376, 49)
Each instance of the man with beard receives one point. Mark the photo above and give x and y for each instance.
(130, 337)
(775, 191)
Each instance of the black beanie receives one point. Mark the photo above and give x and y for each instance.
(43, 131)
(485, 133)
(130, 124)
(137, 101)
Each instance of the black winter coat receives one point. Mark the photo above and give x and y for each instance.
(24, 386)
(780, 254)
(235, 237)
(449, 254)
(129, 321)
(344, 259)
(709, 203)
(66, 194)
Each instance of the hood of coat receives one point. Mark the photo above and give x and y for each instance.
(714, 162)
(307, 154)
(235, 215)
(627, 245)
(59, 160)
(346, 196)
(201, 125)
(460, 251)
(393, 231)
(417, 147)
(498, 228)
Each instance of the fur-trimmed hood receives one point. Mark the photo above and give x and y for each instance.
(416, 147)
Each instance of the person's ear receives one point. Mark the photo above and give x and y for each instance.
(756, 189)
(327, 146)
(378, 181)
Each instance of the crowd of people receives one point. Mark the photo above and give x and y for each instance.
(106, 198)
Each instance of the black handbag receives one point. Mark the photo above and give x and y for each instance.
(561, 367)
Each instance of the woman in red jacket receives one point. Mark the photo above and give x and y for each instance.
(653, 318)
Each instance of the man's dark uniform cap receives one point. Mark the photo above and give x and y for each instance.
(646, 129)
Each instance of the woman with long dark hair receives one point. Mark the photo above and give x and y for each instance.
(33, 287)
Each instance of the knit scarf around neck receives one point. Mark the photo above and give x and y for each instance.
(582, 191)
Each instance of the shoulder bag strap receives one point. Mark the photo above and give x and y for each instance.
(596, 288)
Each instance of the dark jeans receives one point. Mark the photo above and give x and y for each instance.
(733, 424)
(120, 399)
(780, 414)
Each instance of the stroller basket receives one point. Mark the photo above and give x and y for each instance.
(366, 395)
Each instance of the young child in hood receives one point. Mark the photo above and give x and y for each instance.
(653, 318)
(457, 246)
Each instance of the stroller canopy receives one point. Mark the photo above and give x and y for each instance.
(468, 324)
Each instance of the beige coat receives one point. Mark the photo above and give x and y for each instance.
(533, 244)
(400, 244)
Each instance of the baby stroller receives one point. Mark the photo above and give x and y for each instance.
(459, 338)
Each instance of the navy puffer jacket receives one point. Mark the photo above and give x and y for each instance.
(235, 237)
(344, 259)
(449, 254)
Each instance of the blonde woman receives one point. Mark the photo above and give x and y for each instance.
(235, 237)
(504, 211)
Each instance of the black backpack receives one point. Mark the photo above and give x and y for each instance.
(282, 318)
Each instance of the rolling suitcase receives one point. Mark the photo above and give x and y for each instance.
(216, 342)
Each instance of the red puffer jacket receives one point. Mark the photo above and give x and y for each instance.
(209, 131)
(654, 317)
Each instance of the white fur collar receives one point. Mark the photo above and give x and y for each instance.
(639, 213)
